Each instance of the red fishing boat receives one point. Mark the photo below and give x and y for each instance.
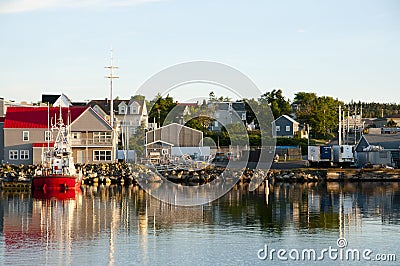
(58, 171)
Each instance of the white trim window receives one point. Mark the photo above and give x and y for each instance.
(134, 110)
(287, 128)
(278, 128)
(13, 154)
(102, 137)
(24, 154)
(122, 110)
(48, 136)
(102, 155)
(25, 135)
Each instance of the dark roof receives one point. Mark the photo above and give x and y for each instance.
(50, 98)
(37, 117)
(237, 106)
(79, 104)
(387, 141)
(105, 104)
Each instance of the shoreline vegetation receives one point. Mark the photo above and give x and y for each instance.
(127, 174)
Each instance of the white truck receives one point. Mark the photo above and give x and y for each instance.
(343, 155)
(320, 155)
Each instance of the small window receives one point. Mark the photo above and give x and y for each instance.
(122, 110)
(134, 110)
(13, 154)
(244, 116)
(216, 123)
(48, 136)
(101, 155)
(25, 135)
(133, 130)
(278, 128)
(287, 128)
(104, 137)
(24, 155)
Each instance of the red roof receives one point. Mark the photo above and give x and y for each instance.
(36, 117)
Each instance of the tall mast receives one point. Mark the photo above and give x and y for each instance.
(340, 125)
(111, 77)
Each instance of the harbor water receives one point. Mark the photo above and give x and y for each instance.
(121, 225)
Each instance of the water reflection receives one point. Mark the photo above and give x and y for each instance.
(109, 224)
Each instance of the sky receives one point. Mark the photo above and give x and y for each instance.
(345, 49)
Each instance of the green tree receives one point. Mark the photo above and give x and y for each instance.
(160, 107)
(321, 113)
(278, 104)
(136, 141)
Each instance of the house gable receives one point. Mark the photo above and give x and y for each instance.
(122, 108)
(90, 121)
(134, 108)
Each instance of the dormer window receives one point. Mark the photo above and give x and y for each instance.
(134, 108)
(122, 109)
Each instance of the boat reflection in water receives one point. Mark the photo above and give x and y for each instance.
(117, 225)
(60, 194)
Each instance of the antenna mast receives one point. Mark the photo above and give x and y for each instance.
(111, 77)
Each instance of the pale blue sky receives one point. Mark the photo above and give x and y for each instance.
(345, 49)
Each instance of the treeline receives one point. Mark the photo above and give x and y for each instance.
(316, 114)
(373, 109)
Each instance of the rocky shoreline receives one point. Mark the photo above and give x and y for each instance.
(125, 174)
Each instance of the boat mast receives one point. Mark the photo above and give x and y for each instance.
(340, 125)
(111, 77)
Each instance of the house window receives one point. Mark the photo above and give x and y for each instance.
(134, 110)
(122, 110)
(133, 130)
(244, 116)
(47, 136)
(216, 123)
(101, 155)
(25, 135)
(24, 154)
(278, 128)
(287, 128)
(102, 137)
(13, 154)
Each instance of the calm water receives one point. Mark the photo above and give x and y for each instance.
(124, 226)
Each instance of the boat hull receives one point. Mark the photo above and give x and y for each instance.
(56, 182)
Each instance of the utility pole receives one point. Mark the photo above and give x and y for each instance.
(111, 77)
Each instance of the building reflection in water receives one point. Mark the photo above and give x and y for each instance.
(129, 214)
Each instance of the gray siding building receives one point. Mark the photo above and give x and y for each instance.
(381, 142)
(285, 126)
